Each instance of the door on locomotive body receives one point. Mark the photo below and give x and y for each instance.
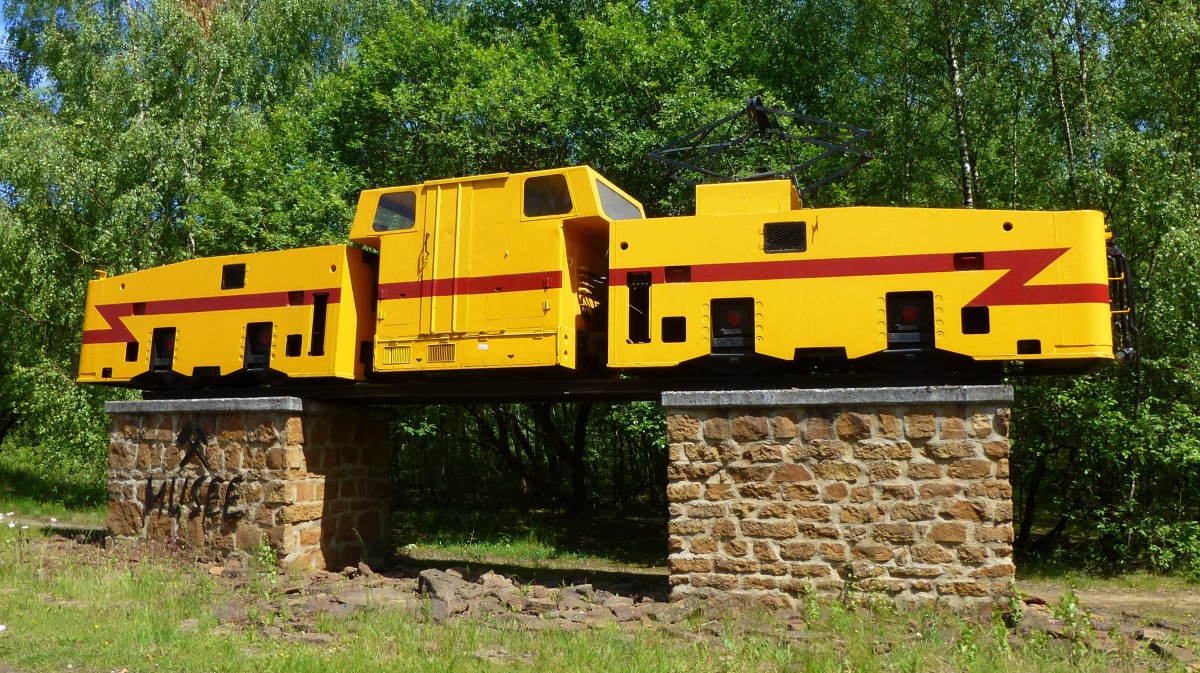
(587, 239)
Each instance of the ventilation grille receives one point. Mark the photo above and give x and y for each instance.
(785, 237)
(441, 353)
(397, 355)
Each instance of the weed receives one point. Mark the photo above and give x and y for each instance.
(1077, 626)
(266, 563)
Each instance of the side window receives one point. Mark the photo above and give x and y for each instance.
(617, 207)
(396, 211)
(547, 195)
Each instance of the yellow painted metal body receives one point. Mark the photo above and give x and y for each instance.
(867, 252)
(551, 268)
(282, 288)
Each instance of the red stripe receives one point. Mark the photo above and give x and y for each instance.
(445, 287)
(118, 332)
(1011, 289)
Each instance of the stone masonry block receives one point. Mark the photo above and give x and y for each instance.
(797, 492)
(852, 425)
(931, 553)
(972, 554)
(735, 548)
(748, 474)
(883, 471)
(124, 517)
(719, 491)
(835, 492)
(720, 582)
(964, 509)
(896, 533)
(896, 492)
(784, 427)
(798, 551)
(735, 565)
(970, 469)
(690, 565)
(890, 426)
(981, 425)
(817, 427)
(953, 428)
(701, 453)
(750, 428)
(683, 491)
(717, 428)
(920, 425)
(706, 510)
(873, 552)
(818, 513)
(940, 489)
(758, 490)
(761, 453)
(775, 510)
(301, 512)
(764, 551)
(683, 428)
(925, 471)
(877, 449)
(951, 448)
(1002, 533)
(826, 449)
(770, 529)
(837, 470)
(947, 532)
(997, 490)
(904, 511)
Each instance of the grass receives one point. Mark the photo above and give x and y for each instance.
(1139, 580)
(100, 612)
(536, 537)
(32, 494)
(103, 613)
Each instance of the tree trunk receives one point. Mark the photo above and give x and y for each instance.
(499, 439)
(1066, 118)
(579, 494)
(1085, 130)
(960, 120)
(1029, 506)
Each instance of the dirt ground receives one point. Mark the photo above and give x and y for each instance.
(1164, 622)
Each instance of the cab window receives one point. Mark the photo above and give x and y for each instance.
(615, 206)
(547, 195)
(396, 212)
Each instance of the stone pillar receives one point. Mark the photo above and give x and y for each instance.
(225, 475)
(902, 492)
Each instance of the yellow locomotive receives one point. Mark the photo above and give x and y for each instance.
(560, 271)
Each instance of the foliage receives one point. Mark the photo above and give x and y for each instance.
(134, 134)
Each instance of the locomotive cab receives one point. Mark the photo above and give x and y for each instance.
(494, 271)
